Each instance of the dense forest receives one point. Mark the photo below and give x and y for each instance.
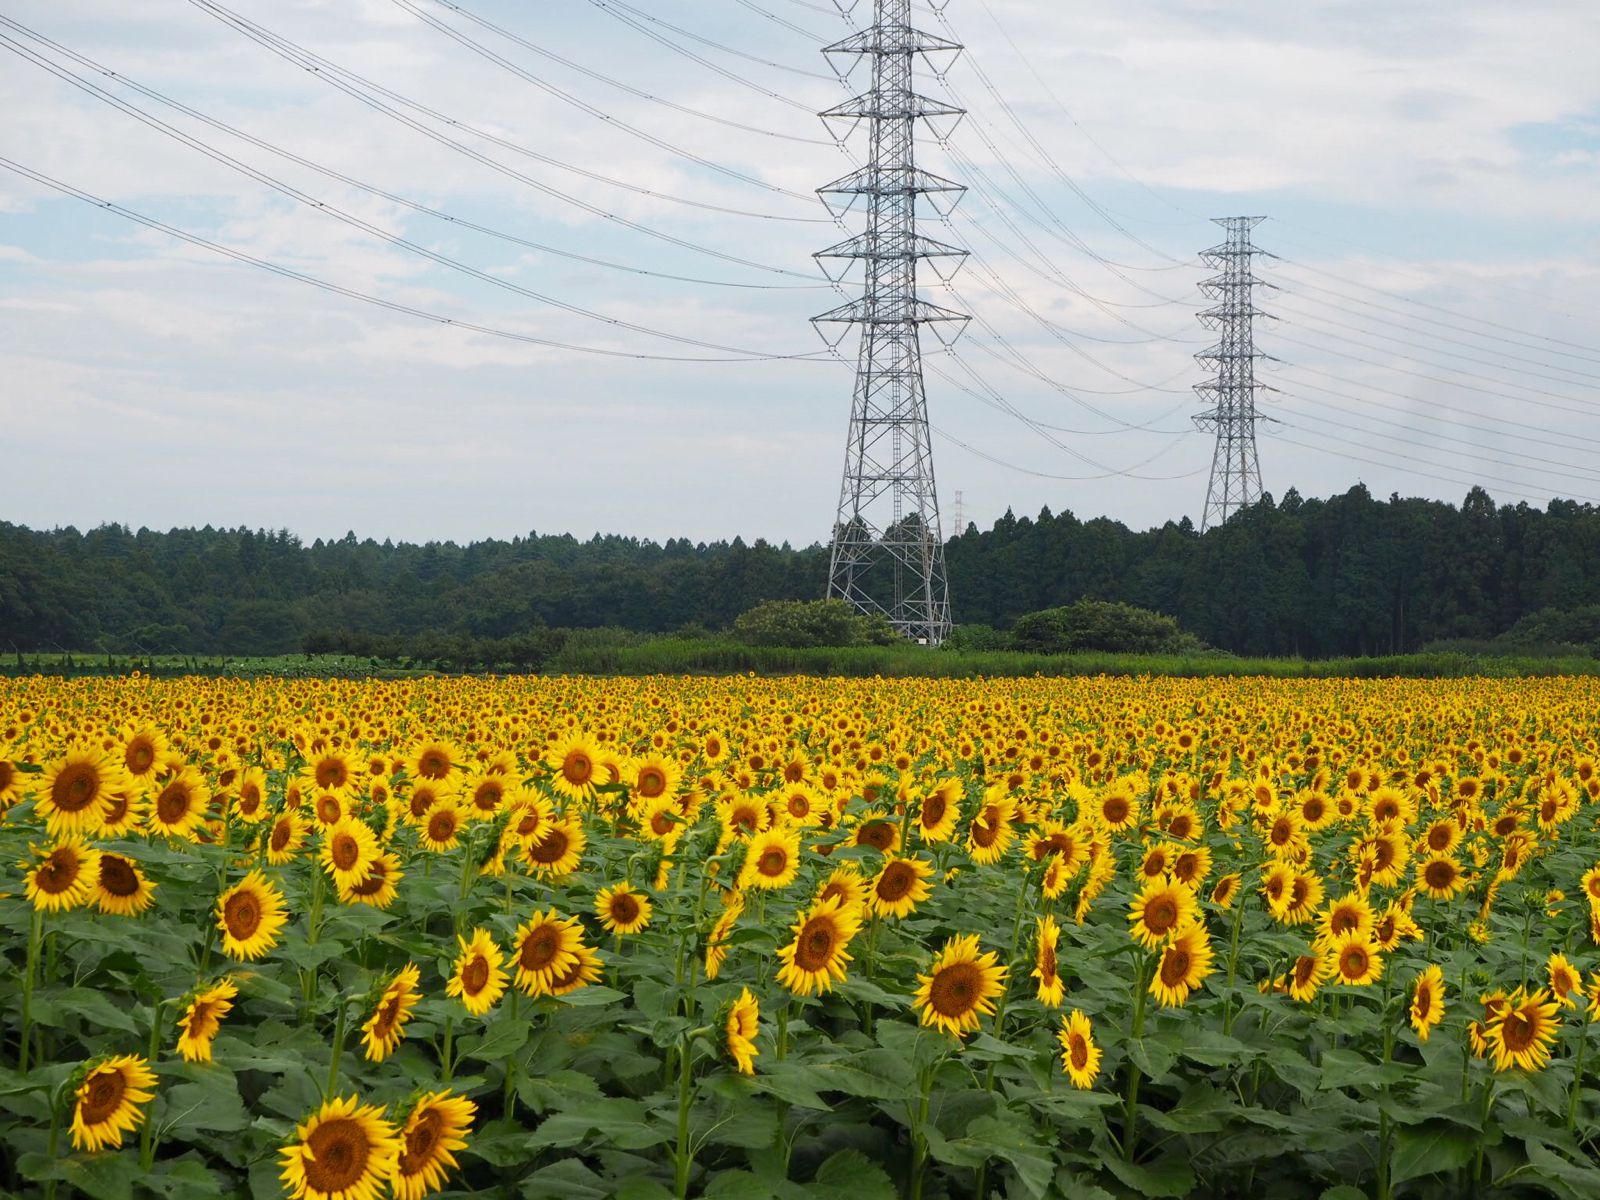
(1347, 575)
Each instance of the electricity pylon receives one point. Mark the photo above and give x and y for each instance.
(887, 555)
(1235, 469)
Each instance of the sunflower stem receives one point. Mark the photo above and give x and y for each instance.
(1577, 1073)
(35, 934)
(56, 1103)
(685, 1154)
(919, 1139)
(338, 1048)
(445, 1063)
(1228, 1015)
(783, 1029)
(147, 1132)
(1385, 1189)
(1130, 1131)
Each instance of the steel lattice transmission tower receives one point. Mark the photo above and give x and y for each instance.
(1235, 470)
(888, 550)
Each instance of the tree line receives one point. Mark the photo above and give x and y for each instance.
(1349, 575)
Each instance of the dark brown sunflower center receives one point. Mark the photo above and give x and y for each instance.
(339, 1152)
(814, 946)
(1343, 919)
(877, 834)
(624, 909)
(59, 872)
(933, 810)
(1174, 966)
(421, 1139)
(442, 826)
(373, 884)
(1304, 967)
(475, 975)
(242, 915)
(1440, 874)
(139, 755)
(954, 990)
(895, 882)
(331, 773)
(552, 849)
(1353, 962)
(106, 1089)
(75, 788)
(173, 803)
(346, 851)
(651, 783)
(773, 862)
(577, 767)
(281, 833)
(539, 949)
(1161, 914)
(433, 764)
(1516, 1031)
(1078, 1051)
(1115, 810)
(1439, 838)
(117, 876)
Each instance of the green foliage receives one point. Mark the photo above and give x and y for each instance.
(1100, 625)
(975, 638)
(806, 623)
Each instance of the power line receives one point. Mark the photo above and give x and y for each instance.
(354, 294)
(355, 222)
(393, 197)
(620, 10)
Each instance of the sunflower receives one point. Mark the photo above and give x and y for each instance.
(106, 1103)
(545, 946)
(332, 771)
(348, 851)
(899, 887)
(1191, 865)
(584, 970)
(1349, 912)
(1566, 981)
(1225, 890)
(284, 840)
(121, 888)
(383, 1030)
(441, 827)
(1159, 911)
(1080, 1057)
(65, 877)
(621, 909)
(74, 791)
(575, 762)
(991, 831)
(654, 777)
(741, 816)
(483, 793)
(380, 887)
(815, 960)
(1427, 1002)
(848, 884)
(431, 758)
(123, 812)
(345, 1151)
(143, 747)
(960, 986)
(743, 1023)
(559, 850)
(1045, 968)
(203, 1017)
(771, 860)
(1353, 958)
(180, 805)
(1440, 876)
(250, 914)
(432, 1132)
(938, 812)
(1118, 806)
(877, 831)
(250, 802)
(479, 978)
(717, 941)
(1522, 1030)
(1308, 974)
(1185, 963)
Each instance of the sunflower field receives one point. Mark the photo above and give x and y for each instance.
(853, 940)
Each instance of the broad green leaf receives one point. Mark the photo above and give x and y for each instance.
(1429, 1149)
(1166, 1177)
(500, 1040)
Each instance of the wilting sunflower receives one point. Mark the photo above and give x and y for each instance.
(1354, 959)
(1566, 981)
(899, 887)
(621, 909)
(743, 1023)
(380, 887)
(1427, 1002)
(1080, 1057)
(432, 1132)
(815, 960)
(772, 859)
(1522, 1030)
(545, 946)
(939, 811)
(74, 790)
(479, 976)
(180, 804)
(64, 878)
(1045, 968)
(1159, 911)
(106, 1104)
(120, 887)
(559, 850)
(717, 941)
(960, 986)
(383, 1030)
(250, 914)
(1185, 963)
(348, 851)
(575, 763)
(345, 1151)
(203, 1017)
(284, 840)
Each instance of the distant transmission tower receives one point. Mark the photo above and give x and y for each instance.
(958, 515)
(888, 550)
(1235, 470)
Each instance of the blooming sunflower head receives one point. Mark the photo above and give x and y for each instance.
(107, 1101)
(434, 1129)
(345, 1151)
(741, 1026)
(960, 987)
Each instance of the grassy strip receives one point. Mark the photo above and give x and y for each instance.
(722, 656)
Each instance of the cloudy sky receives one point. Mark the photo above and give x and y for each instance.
(613, 208)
